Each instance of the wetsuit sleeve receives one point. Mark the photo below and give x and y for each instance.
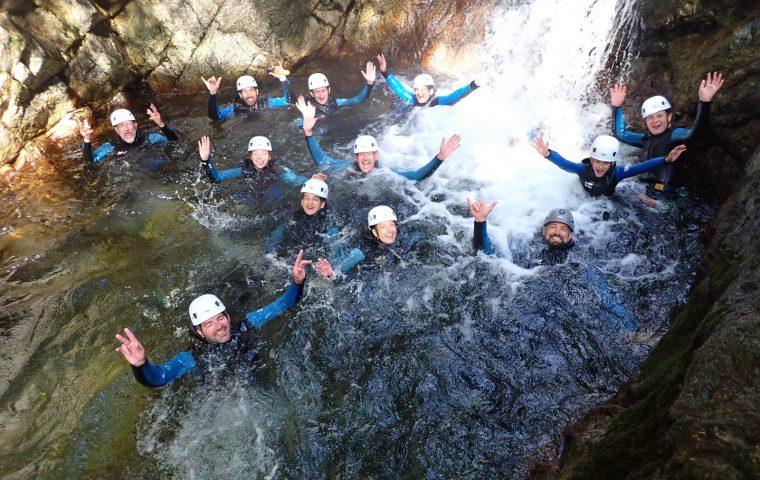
(216, 113)
(564, 164)
(98, 155)
(457, 95)
(421, 173)
(345, 102)
(262, 316)
(281, 102)
(346, 263)
(633, 170)
(320, 158)
(685, 135)
(624, 135)
(292, 178)
(399, 89)
(169, 133)
(275, 238)
(480, 239)
(217, 176)
(153, 376)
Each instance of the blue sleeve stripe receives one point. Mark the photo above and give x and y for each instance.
(159, 375)
(399, 89)
(564, 164)
(262, 316)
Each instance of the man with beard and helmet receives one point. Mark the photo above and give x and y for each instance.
(367, 150)
(216, 339)
(424, 91)
(129, 136)
(660, 136)
(557, 234)
(249, 100)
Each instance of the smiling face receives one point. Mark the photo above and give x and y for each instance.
(216, 329)
(366, 161)
(249, 95)
(127, 130)
(658, 122)
(321, 95)
(312, 204)
(386, 232)
(423, 94)
(557, 234)
(600, 168)
(260, 158)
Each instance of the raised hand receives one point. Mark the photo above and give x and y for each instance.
(381, 62)
(541, 146)
(155, 116)
(449, 146)
(319, 176)
(309, 113)
(279, 76)
(85, 130)
(299, 268)
(131, 348)
(204, 148)
(675, 153)
(370, 73)
(480, 209)
(710, 86)
(324, 268)
(617, 94)
(212, 84)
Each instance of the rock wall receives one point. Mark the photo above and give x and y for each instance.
(57, 55)
(693, 410)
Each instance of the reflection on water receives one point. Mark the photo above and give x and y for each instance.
(448, 364)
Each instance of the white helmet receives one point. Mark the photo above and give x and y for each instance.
(318, 80)
(365, 143)
(380, 214)
(317, 187)
(605, 148)
(654, 105)
(246, 81)
(121, 115)
(423, 80)
(205, 307)
(259, 143)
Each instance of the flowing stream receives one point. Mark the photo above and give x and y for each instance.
(448, 365)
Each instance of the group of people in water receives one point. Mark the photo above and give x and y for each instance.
(210, 325)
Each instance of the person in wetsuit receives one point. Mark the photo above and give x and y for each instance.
(423, 93)
(259, 166)
(248, 100)
(319, 92)
(661, 136)
(216, 339)
(366, 150)
(599, 174)
(129, 136)
(557, 234)
(313, 226)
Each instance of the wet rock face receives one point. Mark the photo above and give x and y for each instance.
(97, 47)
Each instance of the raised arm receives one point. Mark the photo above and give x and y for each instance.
(309, 120)
(543, 149)
(396, 86)
(369, 76)
(651, 164)
(284, 100)
(204, 151)
(480, 211)
(147, 373)
(458, 94)
(707, 90)
(448, 146)
(292, 295)
(617, 97)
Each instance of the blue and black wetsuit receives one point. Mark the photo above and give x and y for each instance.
(248, 170)
(118, 146)
(410, 99)
(238, 107)
(333, 105)
(525, 256)
(201, 353)
(606, 184)
(323, 160)
(320, 234)
(659, 145)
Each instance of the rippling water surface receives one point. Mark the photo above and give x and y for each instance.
(448, 365)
